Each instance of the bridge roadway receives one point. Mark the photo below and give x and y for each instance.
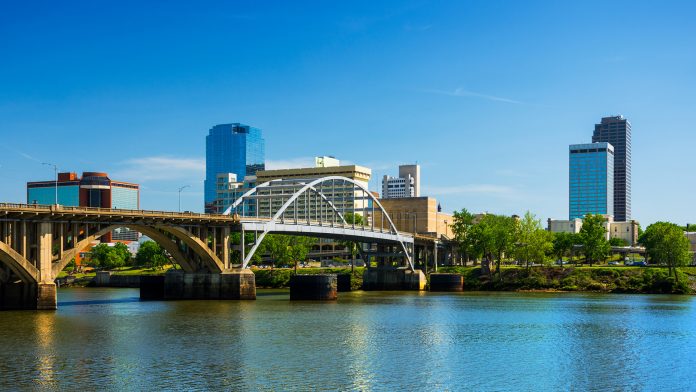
(38, 241)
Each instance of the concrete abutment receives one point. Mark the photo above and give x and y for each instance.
(376, 279)
(317, 287)
(235, 284)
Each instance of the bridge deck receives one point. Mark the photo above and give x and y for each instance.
(62, 213)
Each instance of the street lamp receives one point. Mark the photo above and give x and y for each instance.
(55, 170)
(181, 189)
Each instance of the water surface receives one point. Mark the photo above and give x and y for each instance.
(367, 341)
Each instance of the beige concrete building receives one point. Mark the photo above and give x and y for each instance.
(564, 226)
(627, 231)
(419, 213)
(354, 172)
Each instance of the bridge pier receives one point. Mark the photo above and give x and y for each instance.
(376, 279)
(233, 284)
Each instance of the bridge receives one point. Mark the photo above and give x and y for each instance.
(38, 241)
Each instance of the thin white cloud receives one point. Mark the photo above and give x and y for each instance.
(460, 92)
(161, 168)
(470, 189)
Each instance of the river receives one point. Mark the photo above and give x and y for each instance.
(366, 341)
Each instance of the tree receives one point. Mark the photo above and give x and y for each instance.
(356, 219)
(593, 239)
(494, 236)
(249, 238)
(151, 253)
(122, 250)
(461, 228)
(285, 249)
(563, 244)
(666, 243)
(106, 257)
(481, 237)
(618, 242)
(534, 243)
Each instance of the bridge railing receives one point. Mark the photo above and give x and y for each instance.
(61, 208)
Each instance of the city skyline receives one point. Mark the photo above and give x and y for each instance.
(489, 136)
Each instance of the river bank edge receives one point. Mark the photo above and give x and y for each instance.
(625, 280)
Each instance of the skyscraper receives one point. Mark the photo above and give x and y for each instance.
(231, 148)
(591, 180)
(616, 130)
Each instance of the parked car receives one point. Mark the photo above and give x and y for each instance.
(613, 263)
(638, 264)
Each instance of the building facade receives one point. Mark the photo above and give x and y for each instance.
(93, 189)
(627, 231)
(231, 148)
(406, 185)
(343, 196)
(616, 130)
(591, 179)
(417, 214)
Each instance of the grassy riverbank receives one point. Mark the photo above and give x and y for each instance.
(598, 279)
(595, 279)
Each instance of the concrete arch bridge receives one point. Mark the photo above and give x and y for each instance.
(38, 241)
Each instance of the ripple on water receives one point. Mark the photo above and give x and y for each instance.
(363, 342)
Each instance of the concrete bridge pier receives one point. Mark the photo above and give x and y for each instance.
(376, 279)
(232, 284)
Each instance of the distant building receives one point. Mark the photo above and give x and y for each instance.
(344, 198)
(94, 189)
(627, 231)
(419, 214)
(231, 148)
(565, 226)
(591, 179)
(406, 185)
(326, 161)
(691, 235)
(616, 130)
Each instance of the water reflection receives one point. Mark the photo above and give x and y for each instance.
(366, 341)
(45, 332)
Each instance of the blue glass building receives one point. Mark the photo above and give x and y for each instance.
(591, 179)
(231, 148)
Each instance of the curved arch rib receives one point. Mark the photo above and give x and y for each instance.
(311, 185)
(241, 198)
(213, 263)
(18, 264)
(156, 236)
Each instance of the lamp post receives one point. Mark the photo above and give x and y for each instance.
(55, 172)
(181, 189)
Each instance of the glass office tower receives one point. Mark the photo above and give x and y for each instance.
(231, 148)
(591, 185)
(616, 130)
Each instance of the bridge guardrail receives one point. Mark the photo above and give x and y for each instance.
(61, 208)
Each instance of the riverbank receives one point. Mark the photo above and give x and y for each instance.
(640, 280)
(644, 280)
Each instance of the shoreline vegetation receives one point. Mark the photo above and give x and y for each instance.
(610, 279)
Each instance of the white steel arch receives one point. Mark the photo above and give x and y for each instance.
(311, 186)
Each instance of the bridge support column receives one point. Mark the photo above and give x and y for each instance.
(233, 284)
(238, 284)
(377, 279)
(46, 295)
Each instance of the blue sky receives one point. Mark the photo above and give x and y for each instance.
(485, 95)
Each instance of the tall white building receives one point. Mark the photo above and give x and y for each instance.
(406, 185)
